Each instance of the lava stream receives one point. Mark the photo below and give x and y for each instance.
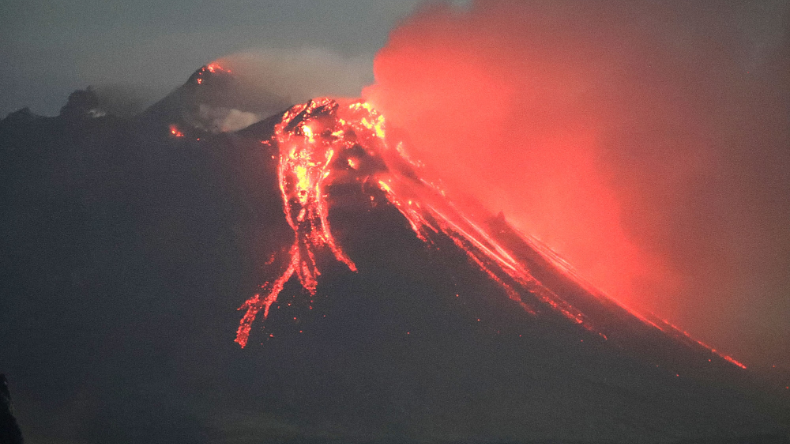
(307, 141)
(324, 142)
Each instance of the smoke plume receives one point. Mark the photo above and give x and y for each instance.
(646, 142)
(291, 76)
(264, 82)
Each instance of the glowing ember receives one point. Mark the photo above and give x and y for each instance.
(213, 67)
(174, 131)
(733, 361)
(679, 333)
(210, 68)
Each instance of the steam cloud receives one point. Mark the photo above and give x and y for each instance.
(221, 119)
(646, 142)
(268, 81)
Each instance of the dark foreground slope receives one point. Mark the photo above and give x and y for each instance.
(9, 429)
(125, 251)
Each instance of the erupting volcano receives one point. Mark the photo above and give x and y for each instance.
(326, 142)
(467, 222)
(390, 310)
(323, 142)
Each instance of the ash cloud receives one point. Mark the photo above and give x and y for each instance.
(647, 142)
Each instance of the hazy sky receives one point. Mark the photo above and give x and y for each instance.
(49, 48)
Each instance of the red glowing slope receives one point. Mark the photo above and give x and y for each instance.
(325, 143)
(382, 289)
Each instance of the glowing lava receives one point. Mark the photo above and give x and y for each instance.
(325, 142)
(308, 137)
(175, 132)
(210, 68)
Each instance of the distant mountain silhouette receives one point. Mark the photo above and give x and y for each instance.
(215, 99)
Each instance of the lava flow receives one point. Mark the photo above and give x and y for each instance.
(210, 68)
(323, 141)
(308, 137)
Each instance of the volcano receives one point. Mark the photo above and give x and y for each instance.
(371, 307)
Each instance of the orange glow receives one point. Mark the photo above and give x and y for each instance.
(308, 142)
(315, 142)
(211, 68)
(175, 131)
(303, 171)
(611, 146)
(677, 332)
(733, 361)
